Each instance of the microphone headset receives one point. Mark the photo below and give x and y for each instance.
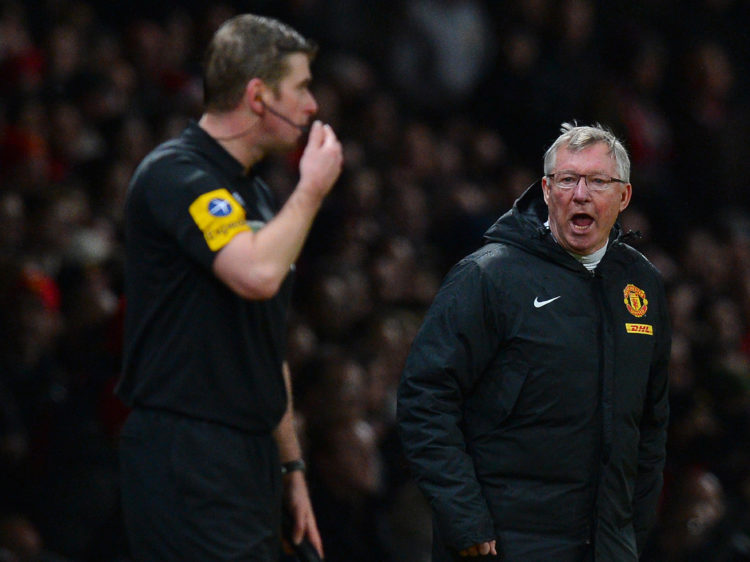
(302, 128)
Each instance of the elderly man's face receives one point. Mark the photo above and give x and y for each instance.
(580, 218)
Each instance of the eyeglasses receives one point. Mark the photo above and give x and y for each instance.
(595, 182)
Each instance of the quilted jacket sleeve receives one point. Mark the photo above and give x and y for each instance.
(456, 342)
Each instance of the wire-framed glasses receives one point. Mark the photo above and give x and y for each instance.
(595, 182)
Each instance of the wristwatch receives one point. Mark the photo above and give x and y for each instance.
(291, 466)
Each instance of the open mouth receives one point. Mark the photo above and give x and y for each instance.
(581, 221)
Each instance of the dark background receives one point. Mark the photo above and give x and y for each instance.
(445, 109)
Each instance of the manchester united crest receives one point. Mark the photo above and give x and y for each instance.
(635, 300)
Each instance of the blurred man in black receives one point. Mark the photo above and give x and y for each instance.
(210, 447)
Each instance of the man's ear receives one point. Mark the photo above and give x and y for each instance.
(625, 198)
(545, 189)
(254, 92)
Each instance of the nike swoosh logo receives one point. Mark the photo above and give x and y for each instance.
(540, 304)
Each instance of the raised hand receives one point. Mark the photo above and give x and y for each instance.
(321, 161)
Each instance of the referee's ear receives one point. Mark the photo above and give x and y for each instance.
(254, 92)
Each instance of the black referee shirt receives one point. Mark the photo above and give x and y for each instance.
(192, 346)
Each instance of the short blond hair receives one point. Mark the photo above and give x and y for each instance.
(246, 47)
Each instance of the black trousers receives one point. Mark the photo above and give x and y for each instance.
(196, 490)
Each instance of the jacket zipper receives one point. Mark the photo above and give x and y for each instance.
(606, 398)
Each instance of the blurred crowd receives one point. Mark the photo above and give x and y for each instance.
(445, 108)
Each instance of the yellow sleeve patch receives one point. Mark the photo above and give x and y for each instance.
(219, 216)
(646, 329)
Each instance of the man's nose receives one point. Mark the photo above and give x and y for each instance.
(581, 190)
(312, 106)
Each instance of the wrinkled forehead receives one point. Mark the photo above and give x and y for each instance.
(597, 156)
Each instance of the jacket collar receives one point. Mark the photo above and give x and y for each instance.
(524, 226)
(195, 136)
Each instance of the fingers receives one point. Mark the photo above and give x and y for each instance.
(305, 525)
(471, 551)
(330, 136)
(314, 536)
(316, 134)
(321, 134)
(300, 525)
(321, 161)
(481, 549)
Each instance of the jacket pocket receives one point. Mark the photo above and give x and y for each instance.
(507, 392)
(494, 399)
